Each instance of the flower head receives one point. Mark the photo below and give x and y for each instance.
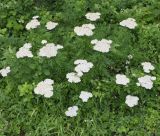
(34, 23)
(130, 57)
(49, 50)
(51, 25)
(122, 79)
(44, 41)
(45, 88)
(93, 16)
(130, 23)
(85, 29)
(72, 111)
(83, 66)
(4, 72)
(131, 101)
(102, 45)
(24, 51)
(73, 77)
(35, 17)
(146, 81)
(85, 96)
(147, 67)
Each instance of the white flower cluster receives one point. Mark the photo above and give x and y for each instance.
(49, 50)
(45, 88)
(84, 30)
(85, 96)
(25, 51)
(129, 22)
(102, 45)
(130, 57)
(34, 23)
(82, 66)
(93, 16)
(147, 67)
(44, 41)
(51, 25)
(122, 79)
(128, 60)
(4, 72)
(73, 77)
(146, 81)
(131, 101)
(72, 111)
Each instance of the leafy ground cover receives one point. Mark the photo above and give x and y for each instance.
(24, 113)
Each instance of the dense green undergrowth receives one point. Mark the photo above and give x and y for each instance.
(26, 114)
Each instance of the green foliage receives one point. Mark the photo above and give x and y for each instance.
(26, 114)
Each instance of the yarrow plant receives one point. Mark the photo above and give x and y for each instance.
(131, 101)
(93, 16)
(72, 111)
(4, 72)
(50, 50)
(129, 23)
(102, 45)
(84, 30)
(95, 77)
(45, 88)
(25, 51)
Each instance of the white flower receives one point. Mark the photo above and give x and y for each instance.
(24, 51)
(49, 50)
(51, 25)
(130, 23)
(73, 77)
(34, 23)
(35, 17)
(131, 101)
(72, 111)
(85, 29)
(122, 79)
(146, 81)
(94, 41)
(102, 45)
(147, 67)
(44, 41)
(82, 66)
(93, 16)
(130, 57)
(85, 96)
(45, 88)
(4, 72)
